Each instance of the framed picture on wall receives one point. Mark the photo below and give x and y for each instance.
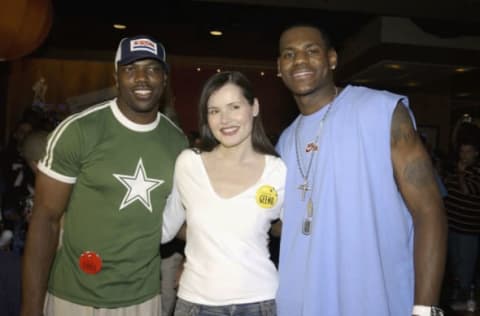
(429, 134)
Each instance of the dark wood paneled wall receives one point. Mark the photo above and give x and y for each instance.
(68, 78)
(64, 78)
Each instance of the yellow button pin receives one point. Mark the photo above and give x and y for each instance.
(266, 196)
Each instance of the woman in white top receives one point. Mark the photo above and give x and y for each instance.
(229, 190)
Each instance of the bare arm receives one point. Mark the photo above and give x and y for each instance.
(416, 181)
(51, 198)
(276, 229)
(182, 233)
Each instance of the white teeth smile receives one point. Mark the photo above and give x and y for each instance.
(228, 130)
(142, 92)
(301, 74)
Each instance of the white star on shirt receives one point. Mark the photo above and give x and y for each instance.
(138, 187)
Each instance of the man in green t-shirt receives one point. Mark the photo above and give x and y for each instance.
(108, 171)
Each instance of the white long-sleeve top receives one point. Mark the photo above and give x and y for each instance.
(228, 260)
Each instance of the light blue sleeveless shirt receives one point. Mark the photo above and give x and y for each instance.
(358, 259)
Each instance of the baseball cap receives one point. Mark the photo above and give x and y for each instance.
(131, 49)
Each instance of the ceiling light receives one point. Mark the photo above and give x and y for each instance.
(394, 66)
(119, 26)
(216, 33)
(413, 83)
(462, 69)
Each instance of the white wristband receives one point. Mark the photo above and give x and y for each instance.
(421, 310)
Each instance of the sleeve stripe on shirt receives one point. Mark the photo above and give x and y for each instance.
(56, 175)
(171, 122)
(48, 159)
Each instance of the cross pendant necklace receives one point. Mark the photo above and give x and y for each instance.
(304, 173)
(312, 148)
(304, 187)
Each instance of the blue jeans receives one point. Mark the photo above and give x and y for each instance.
(264, 308)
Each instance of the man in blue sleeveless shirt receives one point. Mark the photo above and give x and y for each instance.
(364, 227)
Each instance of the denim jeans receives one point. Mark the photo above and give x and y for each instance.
(264, 308)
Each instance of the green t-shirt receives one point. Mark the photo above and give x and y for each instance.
(122, 175)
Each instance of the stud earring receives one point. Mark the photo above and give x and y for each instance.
(279, 74)
(333, 67)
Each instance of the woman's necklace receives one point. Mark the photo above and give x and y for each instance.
(305, 170)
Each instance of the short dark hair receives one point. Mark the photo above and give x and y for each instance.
(325, 35)
(208, 142)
